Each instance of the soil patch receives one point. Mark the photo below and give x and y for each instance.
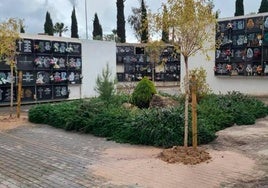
(185, 155)
(7, 122)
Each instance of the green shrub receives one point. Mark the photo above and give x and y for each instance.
(105, 85)
(143, 93)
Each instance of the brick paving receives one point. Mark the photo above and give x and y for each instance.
(42, 156)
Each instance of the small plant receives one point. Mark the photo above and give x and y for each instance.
(143, 93)
(201, 84)
(105, 85)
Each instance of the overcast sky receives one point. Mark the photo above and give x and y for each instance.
(33, 12)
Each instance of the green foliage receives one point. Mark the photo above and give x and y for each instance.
(121, 31)
(239, 8)
(105, 85)
(60, 28)
(74, 27)
(201, 83)
(144, 23)
(263, 6)
(97, 29)
(165, 27)
(157, 127)
(48, 26)
(143, 93)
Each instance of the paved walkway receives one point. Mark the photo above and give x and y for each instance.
(42, 156)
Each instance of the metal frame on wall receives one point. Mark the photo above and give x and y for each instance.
(48, 68)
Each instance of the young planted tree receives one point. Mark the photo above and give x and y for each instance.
(48, 26)
(9, 34)
(121, 31)
(74, 28)
(239, 8)
(60, 28)
(263, 6)
(139, 23)
(192, 22)
(97, 29)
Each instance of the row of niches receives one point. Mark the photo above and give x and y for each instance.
(240, 54)
(242, 39)
(160, 76)
(127, 59)
(249, 24)
(241, 69)
(48, 47)
(148, 68)
(35, 93)
(42, 77)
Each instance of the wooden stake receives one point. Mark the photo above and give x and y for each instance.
(19, 94)
(194, 113)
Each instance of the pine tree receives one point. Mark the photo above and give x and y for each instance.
(74, 29)
(264, 6)
(144, 23)
(239, 8)
(165, 28)
(48, 26)
(97, 29)
(121, 32)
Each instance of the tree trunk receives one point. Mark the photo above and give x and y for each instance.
(186, 118)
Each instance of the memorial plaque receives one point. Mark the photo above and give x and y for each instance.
(74, 77)
(28, 93)
(60, 91)
(74, 62)
(28, 78)
(25, 62)
(44, 92)
(25, 46)
(59, 47)
(73, 48)
(42, 46)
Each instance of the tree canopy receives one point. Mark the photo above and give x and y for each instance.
(97, 29)
(60, 28)
(74, 27)
(48, 26)
(239, 8)
(121, 31)
(263, 6)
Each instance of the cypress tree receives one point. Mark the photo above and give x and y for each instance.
(48, 26)
(144, 23)
(239, 8)
(97, 29)
(165, 28)
(74, 28)
(121, 32)
(264, 6)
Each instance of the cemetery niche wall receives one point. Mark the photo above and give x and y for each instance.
(48, 67)
(242, 47)
(133, 63)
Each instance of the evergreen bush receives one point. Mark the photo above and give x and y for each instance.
(143, 93)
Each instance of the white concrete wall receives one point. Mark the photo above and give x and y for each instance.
(95, 56)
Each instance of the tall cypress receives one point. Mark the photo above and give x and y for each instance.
(263, 6)
(97, 29)
(48, 26)
(165, 28)
(121, 32)
(144, 23)
(74, 28)
(239, 8)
